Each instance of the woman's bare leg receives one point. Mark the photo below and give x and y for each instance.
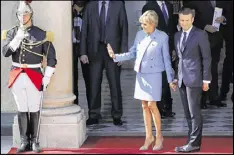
(157, 121)
(148, 126)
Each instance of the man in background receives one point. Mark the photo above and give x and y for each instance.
(77, 16)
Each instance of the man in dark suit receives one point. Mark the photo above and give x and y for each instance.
(203, 20)
(104, 22)
(166, 23)
(193, 74)
(228, 61)
(77, 15)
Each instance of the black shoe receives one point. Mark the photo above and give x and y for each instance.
(187, 148)
(163, 114)
(117, 122)
(221, 104)
(23, 148)
(204, 106)
(35, 147)
(92, 121)
(170, 114)
(217, 103)
(223, 97)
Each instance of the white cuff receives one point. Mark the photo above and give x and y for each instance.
(49, 71)
(206, 81)
(14, 44)
(175, 80)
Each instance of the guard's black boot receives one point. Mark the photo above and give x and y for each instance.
(23, 122)
(34, 121)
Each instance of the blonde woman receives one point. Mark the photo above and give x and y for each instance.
(150, 49)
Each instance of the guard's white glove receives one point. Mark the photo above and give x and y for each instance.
(45, 81)
(49, 71)
(14, 44)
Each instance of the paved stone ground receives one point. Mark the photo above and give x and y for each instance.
(217, 121)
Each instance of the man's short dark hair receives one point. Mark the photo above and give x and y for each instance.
(187, 11)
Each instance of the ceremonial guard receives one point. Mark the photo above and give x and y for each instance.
(27, 44)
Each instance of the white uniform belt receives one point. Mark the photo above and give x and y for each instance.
(26, 65)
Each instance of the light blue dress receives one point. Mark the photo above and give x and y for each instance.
(152, 58)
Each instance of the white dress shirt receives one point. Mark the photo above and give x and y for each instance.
(77, 23)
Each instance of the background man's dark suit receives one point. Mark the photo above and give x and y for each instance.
(116, 33)
(228, 61)
(165, 106)
(204, 16)
(192, 67)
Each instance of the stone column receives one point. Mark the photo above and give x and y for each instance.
(63, 124)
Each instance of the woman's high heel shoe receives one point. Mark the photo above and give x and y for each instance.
(158, 147)
(145, 147)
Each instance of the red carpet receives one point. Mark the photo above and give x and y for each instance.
(130, 145)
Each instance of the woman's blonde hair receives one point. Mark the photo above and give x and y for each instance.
(149, 16)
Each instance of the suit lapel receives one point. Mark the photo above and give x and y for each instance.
(97, 12)
(189, 37)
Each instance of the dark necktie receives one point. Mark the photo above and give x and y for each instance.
(102, 22)
(164, 12)
(183, 41)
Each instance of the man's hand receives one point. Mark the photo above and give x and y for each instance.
(205, 86)
(173, 56)
(119, 63)
(220, 19)
(173, 86)
(84, 59)
(45, 82)
(210, 28)
(110, 51)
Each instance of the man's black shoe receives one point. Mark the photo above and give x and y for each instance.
(170, 114)
(117, 122)
(221, 104)
(187, 148)
(223, 97)
(217, 103)
(204, 106)
(92, 121)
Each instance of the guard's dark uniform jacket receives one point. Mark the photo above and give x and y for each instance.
(31, 51)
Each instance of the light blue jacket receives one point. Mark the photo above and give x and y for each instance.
(151, 53)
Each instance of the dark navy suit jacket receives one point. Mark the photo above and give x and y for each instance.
(193, 64)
